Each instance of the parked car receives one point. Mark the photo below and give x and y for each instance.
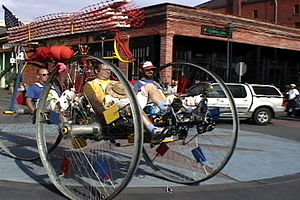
(258, 102)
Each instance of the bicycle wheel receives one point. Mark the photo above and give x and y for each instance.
(17, 130)
(201, 147)
(95, 159)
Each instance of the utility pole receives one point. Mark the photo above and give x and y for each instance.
(276, 11)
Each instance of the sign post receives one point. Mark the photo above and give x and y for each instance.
(240, 69)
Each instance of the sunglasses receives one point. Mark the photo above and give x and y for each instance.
(44, 74)
(108, 70)
(147, 70)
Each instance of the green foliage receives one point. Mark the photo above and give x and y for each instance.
(10, 78)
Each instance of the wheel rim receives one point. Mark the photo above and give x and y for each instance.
(85, 167)
(203, 155)
(263, 117)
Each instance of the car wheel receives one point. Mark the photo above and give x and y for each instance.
(262, 116)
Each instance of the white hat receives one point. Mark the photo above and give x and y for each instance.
(292, 85)
(147, 65)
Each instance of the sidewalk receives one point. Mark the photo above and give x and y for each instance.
(4, 93)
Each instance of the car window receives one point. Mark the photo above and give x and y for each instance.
(265, 90)
(237, 91)
(217, 92)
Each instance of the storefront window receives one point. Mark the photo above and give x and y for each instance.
(297, 9)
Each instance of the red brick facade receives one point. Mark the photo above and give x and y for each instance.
(288, 11)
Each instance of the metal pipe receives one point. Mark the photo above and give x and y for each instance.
(77, 130)
(276, 11)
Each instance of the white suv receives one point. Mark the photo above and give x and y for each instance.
(253, 101)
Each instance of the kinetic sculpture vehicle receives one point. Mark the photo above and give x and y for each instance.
(90, 155)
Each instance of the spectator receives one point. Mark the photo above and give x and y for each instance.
(34, 91)
(293, 94)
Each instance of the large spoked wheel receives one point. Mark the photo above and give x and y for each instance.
(201, 147)
(17, 127)
(97, 156)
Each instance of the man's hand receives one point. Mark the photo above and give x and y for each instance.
(30, 105)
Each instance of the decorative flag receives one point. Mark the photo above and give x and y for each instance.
(198, 154)
(10, 19)
(103, 169)
(214, 113)
(162, 149)
(66, 166)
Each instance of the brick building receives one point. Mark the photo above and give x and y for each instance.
(175, 33)
(275, 11)
(181, 33)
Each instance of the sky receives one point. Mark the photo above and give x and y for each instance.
(27, 10)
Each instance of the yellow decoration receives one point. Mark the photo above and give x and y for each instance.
(111, 114)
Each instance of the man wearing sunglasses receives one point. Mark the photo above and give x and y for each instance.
(34, 92)
(147, 90)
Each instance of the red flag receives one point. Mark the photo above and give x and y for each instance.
(162, 149)
(66, 166)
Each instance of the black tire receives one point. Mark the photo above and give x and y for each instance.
(76, 166)
(262, 116)
(177, 161)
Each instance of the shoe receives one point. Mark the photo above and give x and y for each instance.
(170, 139)
(158, 135)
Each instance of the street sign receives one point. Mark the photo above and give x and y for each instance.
(215, 31)
(241, 68)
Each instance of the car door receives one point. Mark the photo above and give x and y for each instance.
(241, 95)
(217, 99)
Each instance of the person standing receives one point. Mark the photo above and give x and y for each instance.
(293, 94)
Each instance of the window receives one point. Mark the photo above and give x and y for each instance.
(236, 90)
(297, 9)
(217, 92)
(297, 24)
(255, 13)
(265, 90)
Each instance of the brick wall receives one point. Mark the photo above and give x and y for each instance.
(168, 21)
(266, 10)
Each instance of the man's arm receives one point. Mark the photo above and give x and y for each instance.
(30, 96)
(95, 95)
(30, 105)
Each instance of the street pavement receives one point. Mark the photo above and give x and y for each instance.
(257, 157)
